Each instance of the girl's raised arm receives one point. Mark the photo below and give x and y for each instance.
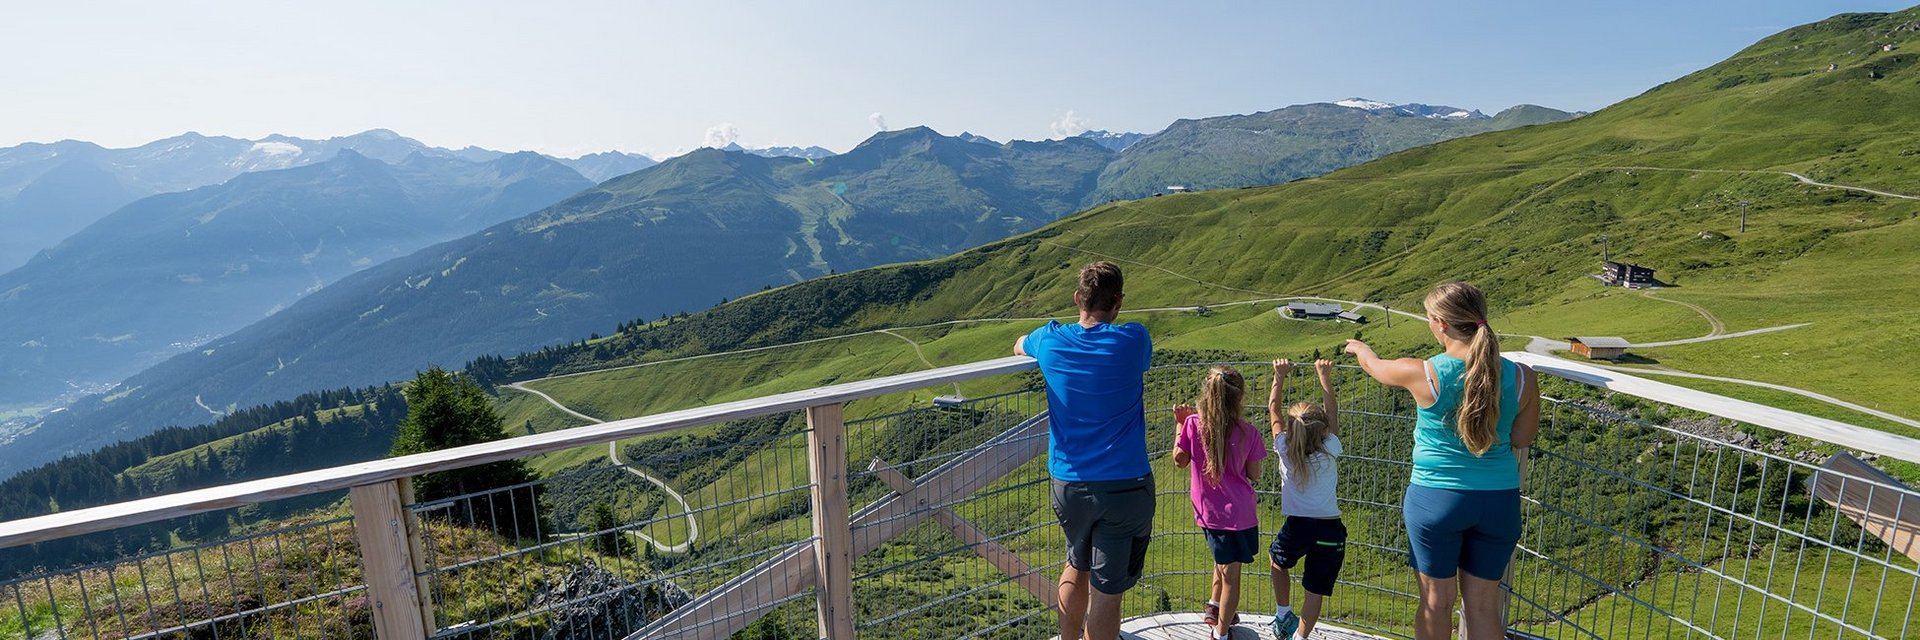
(1324, 368)
(1276, 409)
(1181, 457)
(1405, 373)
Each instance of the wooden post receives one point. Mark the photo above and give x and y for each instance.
(390, 559)
(832, 529)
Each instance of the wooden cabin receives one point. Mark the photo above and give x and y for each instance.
(1599, 347)
(1629, 275)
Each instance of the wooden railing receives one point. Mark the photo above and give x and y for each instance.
(390, 537)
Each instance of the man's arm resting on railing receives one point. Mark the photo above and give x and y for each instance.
(1020, 346)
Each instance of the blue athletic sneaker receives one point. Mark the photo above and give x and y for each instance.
(1284, 626)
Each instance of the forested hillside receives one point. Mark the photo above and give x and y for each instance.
(312, 431)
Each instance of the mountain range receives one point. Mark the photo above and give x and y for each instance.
(49, 191)
(1290, 143)
(688, 233)
(806, 153)
(1111, 140)
(166, 273)
(599, 167)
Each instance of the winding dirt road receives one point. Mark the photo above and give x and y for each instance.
(613, 454)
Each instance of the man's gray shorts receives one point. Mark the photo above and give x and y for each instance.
(1108, 525)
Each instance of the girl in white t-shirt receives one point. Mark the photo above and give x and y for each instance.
(1307, 437)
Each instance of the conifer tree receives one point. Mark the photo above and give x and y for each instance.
(443, 411)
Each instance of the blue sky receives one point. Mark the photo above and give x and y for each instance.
(663, 77)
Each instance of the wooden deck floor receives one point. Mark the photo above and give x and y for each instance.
(1188, 626)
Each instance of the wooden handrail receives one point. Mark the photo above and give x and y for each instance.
(115, 516)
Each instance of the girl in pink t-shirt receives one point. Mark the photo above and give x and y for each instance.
(1223, 453)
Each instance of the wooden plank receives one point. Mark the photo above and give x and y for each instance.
(993, 552)
(1879, 503)
(737, 603)
(1782, 420)
(401, 609)
(832, 529)
(80, 521)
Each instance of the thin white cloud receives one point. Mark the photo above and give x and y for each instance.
(1068, 125)
(879, 121)
(721, 135)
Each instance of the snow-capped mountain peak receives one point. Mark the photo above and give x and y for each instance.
(1363, 103)
(1438, 112)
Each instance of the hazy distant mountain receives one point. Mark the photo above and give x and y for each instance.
(1294, 142)
(676, 237)
(168, 272)
(50, 191)
(968, 136)
(599, 167)
(1111, 140)
(811, 153)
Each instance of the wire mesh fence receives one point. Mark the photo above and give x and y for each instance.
(602, 549)
(1376, 590)
(966, 559)
(279, 579)
(1650, 521)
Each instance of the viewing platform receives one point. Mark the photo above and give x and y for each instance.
(1190, 626)
(898, 508)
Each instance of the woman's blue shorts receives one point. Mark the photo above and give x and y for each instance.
(1451, 530)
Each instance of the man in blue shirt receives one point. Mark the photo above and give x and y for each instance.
(1103, 490)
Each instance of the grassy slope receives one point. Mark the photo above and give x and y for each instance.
(1520, 213)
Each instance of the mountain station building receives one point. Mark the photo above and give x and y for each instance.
(1311, 310)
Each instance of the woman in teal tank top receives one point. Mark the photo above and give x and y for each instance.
(1478, 414)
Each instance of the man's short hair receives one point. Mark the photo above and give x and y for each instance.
(1100, 286)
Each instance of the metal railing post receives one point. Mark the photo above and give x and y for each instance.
(832, 530)
(390, 557)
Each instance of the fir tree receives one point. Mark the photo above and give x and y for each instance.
(444, 411)
(602, 520)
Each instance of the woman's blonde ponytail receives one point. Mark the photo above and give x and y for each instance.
(1463, 310)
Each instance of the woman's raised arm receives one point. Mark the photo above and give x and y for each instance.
(1405, 373)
